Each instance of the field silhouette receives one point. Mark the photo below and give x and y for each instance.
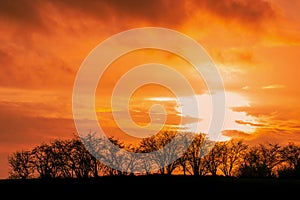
(153, 185)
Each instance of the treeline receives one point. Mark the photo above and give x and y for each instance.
(92, 156)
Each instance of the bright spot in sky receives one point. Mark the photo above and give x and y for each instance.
(196, 112)
(205, 113)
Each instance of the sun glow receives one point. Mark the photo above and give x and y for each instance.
(199, 119)
(232, 120)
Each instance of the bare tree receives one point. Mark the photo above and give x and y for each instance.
(91, 156)
(260, 161)
(291, 155)
(213, 159)
(199, 147)
(20, 165)
(290, 166)
(43, 161)
(232, 153)
(82, 162)
(165, 150)
(184, 159)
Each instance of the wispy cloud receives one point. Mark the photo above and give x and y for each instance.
(274, 86)
(248, 123)
(245, 87)
(235, 134)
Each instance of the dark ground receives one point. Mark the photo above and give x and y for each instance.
(145, 187)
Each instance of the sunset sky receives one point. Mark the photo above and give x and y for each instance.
(255, 44)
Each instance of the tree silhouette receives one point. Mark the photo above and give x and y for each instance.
(166, 159)
(192, 160)
(232, 153)
(290, 156)
(212, 160)
(20, 165)
(44, 159)
(93, 156)
(260, 161)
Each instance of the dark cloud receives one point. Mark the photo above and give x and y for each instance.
(22, 12)
(32, 69)
(156, 11)
(120, 14)
(244, 11)
(5, 58)
(171, 12)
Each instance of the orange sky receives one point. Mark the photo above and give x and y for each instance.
(254, 43)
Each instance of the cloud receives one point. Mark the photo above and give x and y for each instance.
(122, 14)
(235, 134)
(248, 12)
(245, 87)
(31, 69)
(142, 118)
(248, 123)
(35, 102)
(18, 128)
(255, 110)
(44, 43)
(274, 86)
(25, 13)
(233, 56)
(275, 136)
(82, 24)
(119, 12)
(4, 57)
(276, 124)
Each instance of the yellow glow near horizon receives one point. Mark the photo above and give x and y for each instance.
(231, 118)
